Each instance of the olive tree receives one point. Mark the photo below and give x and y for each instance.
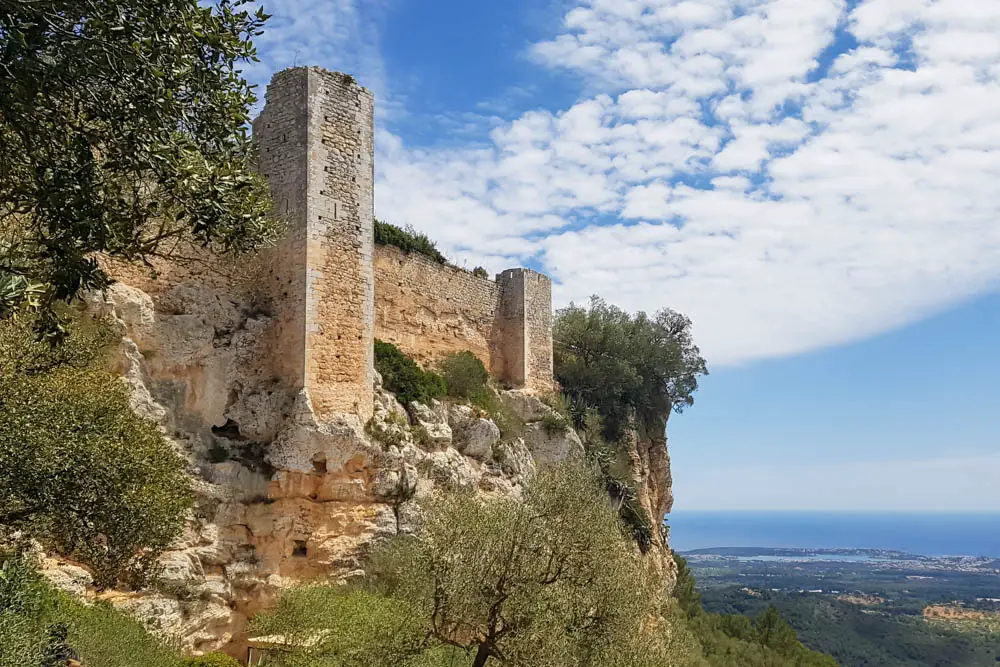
(550, 580)
(625, 366)
(547, 580)
(123, 131)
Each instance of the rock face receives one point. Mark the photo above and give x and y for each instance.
(649, 460)
(282, 495)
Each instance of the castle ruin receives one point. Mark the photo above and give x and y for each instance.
(334, 290)
(262, 373)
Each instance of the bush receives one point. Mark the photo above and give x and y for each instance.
(327, 625)
(404, 378)
(408, 240)
(464, 375)
(616, 477)
(480, 272)
(78, 469)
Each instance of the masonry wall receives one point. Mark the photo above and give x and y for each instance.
(429, 310)
(538, 329)
(340, 279)
(316, 138)
(281, 134)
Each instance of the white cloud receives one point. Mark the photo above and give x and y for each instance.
(965, 484)
(341, 35)
(719, 164)
(876, 208)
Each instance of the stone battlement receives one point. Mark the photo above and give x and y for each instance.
(333, 291)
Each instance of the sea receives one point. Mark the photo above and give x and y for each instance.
(927, 534)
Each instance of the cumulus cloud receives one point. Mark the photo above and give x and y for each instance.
(341, 35)
(791, 174)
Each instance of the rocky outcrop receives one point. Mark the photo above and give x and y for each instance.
(649, 460)
(282, 496)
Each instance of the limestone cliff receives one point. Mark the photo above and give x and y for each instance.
(283, 496)
(649, 460)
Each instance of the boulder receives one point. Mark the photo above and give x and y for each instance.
(552, 445)
(526, 405)
(438, 434)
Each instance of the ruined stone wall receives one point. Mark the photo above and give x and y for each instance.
(523, 333)
(430, 310)
(538, 330)
(316, 138)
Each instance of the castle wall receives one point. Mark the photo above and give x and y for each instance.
(538, 329)
(429, 310)
(325, 287)
(281, 134)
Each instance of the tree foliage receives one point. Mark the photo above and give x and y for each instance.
(547, 581)
(78, 469)
(625, 366)
(464, 375)
(123, 130)
(404, 378)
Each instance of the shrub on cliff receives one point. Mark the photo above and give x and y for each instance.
(404, 378)
(625, 366)
(464, 375)
(78, 469)
(122, 131)
(408, 240)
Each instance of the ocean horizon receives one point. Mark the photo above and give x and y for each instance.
(926, 534)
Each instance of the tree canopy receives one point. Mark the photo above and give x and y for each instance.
(79, 470)
(548, 581)
(624, 365)
(123, 131)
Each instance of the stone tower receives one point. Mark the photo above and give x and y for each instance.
(316, 141)
(523, 330)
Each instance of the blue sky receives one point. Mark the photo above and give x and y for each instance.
(812, 181)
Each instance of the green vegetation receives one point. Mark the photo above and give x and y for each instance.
(548, 581)
(480, 272)
(616, 476)
(39, 625)
(763, 641)
(863, 635)
(465, 376)
(408, 240)
(619, 373)
(78, 469)
(631, 369)
(122, 131)
(404, 378)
